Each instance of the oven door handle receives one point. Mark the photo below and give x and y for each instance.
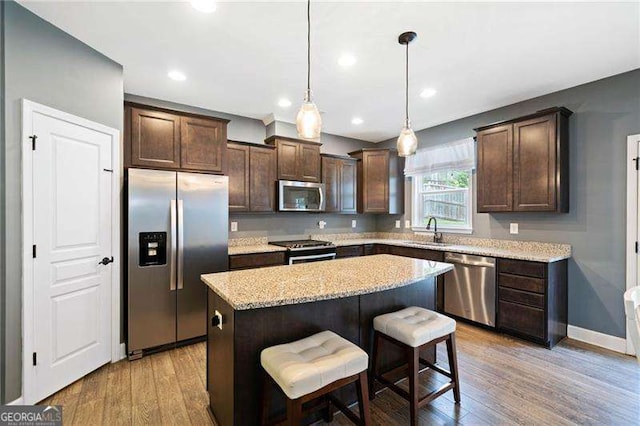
(292, 259)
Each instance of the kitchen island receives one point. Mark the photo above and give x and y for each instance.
(253, 309)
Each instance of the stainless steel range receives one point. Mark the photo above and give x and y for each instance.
(302, 251)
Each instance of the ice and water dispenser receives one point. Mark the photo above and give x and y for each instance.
(153, 248)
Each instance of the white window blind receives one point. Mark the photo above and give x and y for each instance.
(458, 155)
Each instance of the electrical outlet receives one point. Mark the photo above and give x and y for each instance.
(513, 228)
(217, 320)
(397, 224)
(322, 224)
(353, 223)
(407, 224)
(234, 226)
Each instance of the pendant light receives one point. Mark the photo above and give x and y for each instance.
(308, 120)
(407, 141)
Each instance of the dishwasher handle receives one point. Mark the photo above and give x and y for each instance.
(454, 258)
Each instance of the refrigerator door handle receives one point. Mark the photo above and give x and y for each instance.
(174, 244)
(180, 244)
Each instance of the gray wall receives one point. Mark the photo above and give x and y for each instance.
(605, 113)
(45, 65)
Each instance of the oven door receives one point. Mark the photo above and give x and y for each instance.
(294, 196)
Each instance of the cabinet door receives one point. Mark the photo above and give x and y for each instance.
(309, 163)
(534, 164)
(495, 169)
(288, 160)
(238, 158)
(375, 168)
(331, 180)
(203, 144)
(155, 139)
(262, 179)
(348, 186)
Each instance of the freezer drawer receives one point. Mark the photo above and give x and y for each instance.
(470, 288)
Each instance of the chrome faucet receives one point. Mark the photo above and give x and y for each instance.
(437, 236)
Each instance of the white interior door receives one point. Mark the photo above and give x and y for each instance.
(72, 232)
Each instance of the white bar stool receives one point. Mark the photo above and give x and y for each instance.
(413, 329)
(314, 367)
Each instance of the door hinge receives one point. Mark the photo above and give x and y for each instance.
(35, 359)
(636, 246)
(33, 249)
(33, 142)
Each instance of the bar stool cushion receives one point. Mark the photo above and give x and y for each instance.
(414, 326)
(304, 366)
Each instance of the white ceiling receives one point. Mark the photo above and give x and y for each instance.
(247, 55)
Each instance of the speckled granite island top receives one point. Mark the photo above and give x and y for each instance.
(310, 282)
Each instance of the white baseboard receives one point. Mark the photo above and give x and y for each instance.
(18, 401)
(123, 351)
(613, 343)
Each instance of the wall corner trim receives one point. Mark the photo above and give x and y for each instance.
(18, 401)
(613, 343)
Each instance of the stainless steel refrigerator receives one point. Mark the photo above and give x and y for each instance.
(177, 230)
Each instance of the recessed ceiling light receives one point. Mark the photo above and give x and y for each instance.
(347, 60)
(428, 92)
(204, 6)
(284, 103)
(177, 75)
(357, 121)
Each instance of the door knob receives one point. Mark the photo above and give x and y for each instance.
(106, 261)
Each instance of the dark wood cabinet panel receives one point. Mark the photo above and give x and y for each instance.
(495, 169)
(339, 176)
(523, 164)
(297, 159)
(238, 158)
(349, 251)
(522, 297)
(534, 164)
(380, 185)
(255, 260)
(522, 267)
(369, 249)
(203, 144)
(155, 139)
(521, 319)
(536, 285)
(417, 253)
(262, 179)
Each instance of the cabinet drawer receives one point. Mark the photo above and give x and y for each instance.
(369, 249)
(521, 283)
(520, 318)
(522, 267)
(349, 251)
(382, 249)
(255, 260)
(522, 297)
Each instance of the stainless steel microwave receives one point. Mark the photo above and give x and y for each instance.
(294, 196)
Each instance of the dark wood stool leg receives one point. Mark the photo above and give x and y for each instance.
(294, 411)
(374, 366)
(265, 404)
(363, 398)
(328, 411)
(413, 355)
(453, 365)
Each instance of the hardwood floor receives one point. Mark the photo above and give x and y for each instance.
(503, 381)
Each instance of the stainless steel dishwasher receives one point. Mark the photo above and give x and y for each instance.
(470, 289)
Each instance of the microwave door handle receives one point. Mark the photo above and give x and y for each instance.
(321, 206)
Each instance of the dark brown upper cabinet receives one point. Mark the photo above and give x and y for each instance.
(163, 139)
(252, 177)
(523, 164)
(339, 174)
(297, 159)
(380, 184)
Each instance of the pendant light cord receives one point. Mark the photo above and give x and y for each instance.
(308, 44)
(406, 86)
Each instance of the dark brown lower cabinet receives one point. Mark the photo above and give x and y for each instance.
(349, 251)
(532, 300)
(255, 260)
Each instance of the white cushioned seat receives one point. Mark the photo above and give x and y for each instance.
(414, 326)
(304, 366)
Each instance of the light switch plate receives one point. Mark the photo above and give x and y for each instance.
(397, 224)
(513, 228)
(407, 224)
(234, 226)
(353, 223)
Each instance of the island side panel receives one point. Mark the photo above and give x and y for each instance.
(257, 329)
(220, 361)
(422, 294)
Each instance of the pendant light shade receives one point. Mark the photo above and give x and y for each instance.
(407, 141)
(308, 120)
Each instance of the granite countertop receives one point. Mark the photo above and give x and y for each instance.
(314, 281)
(255, 248)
